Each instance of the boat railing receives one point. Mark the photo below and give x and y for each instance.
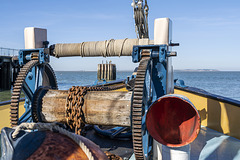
(8, 52)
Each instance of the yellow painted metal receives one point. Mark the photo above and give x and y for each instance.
(5, 114)
(121, 90)
(220, 116)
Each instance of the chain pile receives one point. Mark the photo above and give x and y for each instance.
(75, 101)
(112, 156)
(74, 114)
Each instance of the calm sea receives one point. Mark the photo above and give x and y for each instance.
(222, 83)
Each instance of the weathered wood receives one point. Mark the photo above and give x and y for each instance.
(5, 72)
(100, 107)
(106, 71)
(108, 108)
(53, 106)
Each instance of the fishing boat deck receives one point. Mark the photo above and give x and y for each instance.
(213, 145)
(209, 145)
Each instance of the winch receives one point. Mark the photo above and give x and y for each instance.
(143, 107)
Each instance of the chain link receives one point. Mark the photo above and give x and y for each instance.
(74, 104)
(112, 156)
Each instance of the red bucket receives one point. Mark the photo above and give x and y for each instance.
(172, 120)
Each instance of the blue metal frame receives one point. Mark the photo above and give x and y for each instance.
(158, 56)
(34, 77)
(155, 82)
(25, 55)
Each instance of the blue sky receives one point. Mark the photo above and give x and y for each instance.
(208, 30)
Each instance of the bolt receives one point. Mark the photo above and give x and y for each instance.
(172, 54)
(160, 75)
(163, 61)
(30, 76)
(135, 50)
(162, 51)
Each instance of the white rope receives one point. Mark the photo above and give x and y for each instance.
(52, 127)
(107, 48)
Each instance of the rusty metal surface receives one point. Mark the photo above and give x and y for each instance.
(173, 132)
(112, 156)
(58, 146)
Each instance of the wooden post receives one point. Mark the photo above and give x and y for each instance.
(106, 71)
(111, 108)
(5, 72)
(108, 108)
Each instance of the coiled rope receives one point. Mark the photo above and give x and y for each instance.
(107, 48)
(53, 127)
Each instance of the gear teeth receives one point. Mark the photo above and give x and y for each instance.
(17, 91)
(137, 109)
(18, 87)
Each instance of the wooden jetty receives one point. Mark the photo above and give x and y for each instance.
(8, 67)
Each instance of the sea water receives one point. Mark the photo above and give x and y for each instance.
(222, 83)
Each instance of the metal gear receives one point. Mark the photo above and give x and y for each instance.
(48, 79)
(140, 104)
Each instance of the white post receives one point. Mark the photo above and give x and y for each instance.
(34, 37)
(178, 153)
(163, 35)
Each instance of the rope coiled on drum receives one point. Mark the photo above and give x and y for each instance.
(107, 48)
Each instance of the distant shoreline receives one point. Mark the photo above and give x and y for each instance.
(197, 70)
(93, 71)
(175, 70)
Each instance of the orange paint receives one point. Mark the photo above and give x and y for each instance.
(173, 121)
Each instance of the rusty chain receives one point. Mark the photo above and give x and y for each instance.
(75, 101)
(112, 156)
(74, 113)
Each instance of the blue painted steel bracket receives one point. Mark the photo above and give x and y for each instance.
(156, 50)
(25, 55)
(159, 54)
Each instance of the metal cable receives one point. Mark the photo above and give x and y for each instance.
(141, 18)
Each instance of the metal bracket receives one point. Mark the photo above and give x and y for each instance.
(159, 61)
(26, 55)
(156, 50)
